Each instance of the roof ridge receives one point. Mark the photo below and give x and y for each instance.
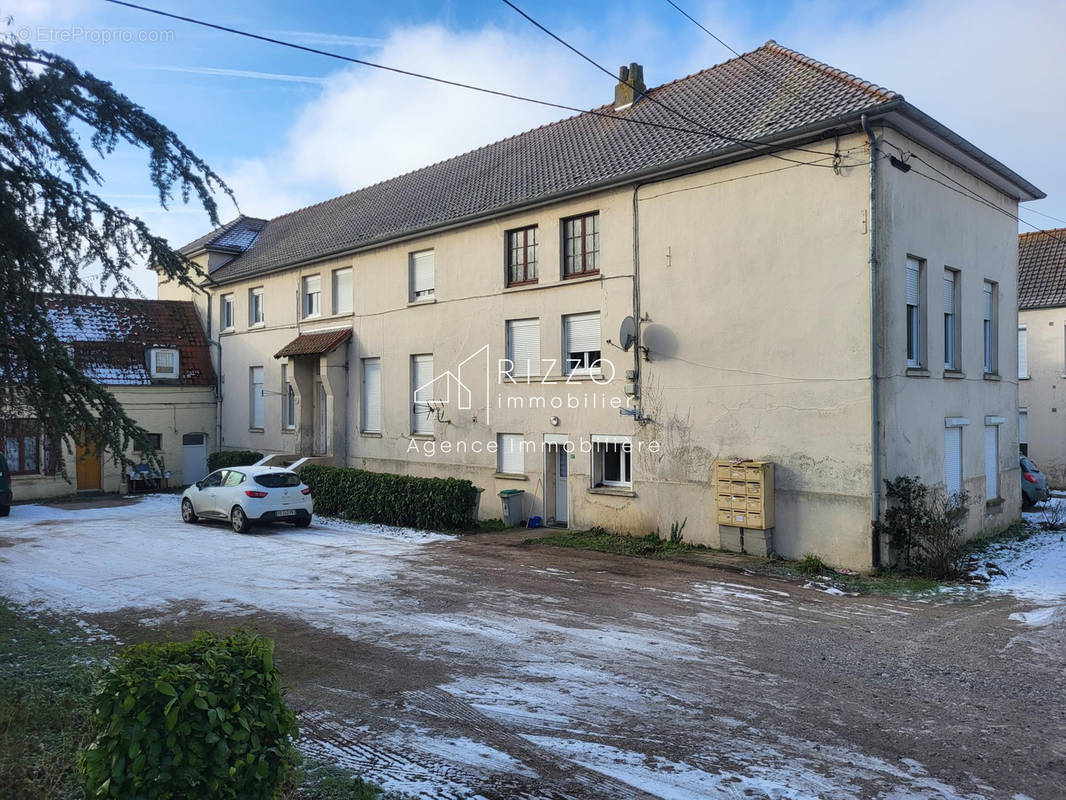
(839, 74)
(1043, 231)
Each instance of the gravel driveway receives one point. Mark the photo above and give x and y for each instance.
(453, 669)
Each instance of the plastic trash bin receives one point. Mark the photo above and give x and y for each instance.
(512, 506)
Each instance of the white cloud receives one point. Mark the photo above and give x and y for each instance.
(327, 39)
(222, 72)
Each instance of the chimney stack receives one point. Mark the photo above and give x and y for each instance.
(630, 86)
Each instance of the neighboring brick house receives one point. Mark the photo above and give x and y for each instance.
(734, 223)
(154, 357)
(1042, 351)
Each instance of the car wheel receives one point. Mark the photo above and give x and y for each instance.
(302, 523)
(1026, 502)
(187, 512)
(239, 520)
(5, 510)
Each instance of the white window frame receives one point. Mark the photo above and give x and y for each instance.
(591, 366)
(422, 275)
(342, 293)
(1023, 430)
(225, 312)
(370, 422)
(954, 430)
(951, 319)
(422, 394)
(311, 296)
(523, 347)
(255, 404)
(992, 457)
(288, 399)
(167, 352)
(989, 325)
(1023, 352)
(604, 447)
(510, 454)
(913, 287)
(256, 303)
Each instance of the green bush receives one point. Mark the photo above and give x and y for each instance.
(923, 527)
(232, 458)
(195, 719)
(355, 494)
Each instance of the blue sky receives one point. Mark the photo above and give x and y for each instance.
(286, 128)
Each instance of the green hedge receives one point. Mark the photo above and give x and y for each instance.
(232, 458)
(355, 494)
(191, 720)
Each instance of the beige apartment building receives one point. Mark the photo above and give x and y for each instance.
(1042, 351)
(782, 263)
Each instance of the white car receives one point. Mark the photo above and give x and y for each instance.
(246, 495)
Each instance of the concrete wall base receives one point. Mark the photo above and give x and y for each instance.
(732, 538)
(758, 543)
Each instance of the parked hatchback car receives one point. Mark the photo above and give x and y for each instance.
(5, 487)
(1034, 483)
(244, 496)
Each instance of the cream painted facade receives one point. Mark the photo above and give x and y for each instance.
(171, 411)
(1042, 392)
(755, 299)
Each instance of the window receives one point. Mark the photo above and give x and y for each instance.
(422, 394)
(951, 320)
(914, 312)
(312, 295)
(343, 299)
(277, 480)
(164, 363)
(422, 275)
(371, 395)
(510, 454)
(611, 461)
(225, 312)
(154, 442)
(581, 245)
(255, 306)
(212, 480)
(989, 328)
(1023, 431)
(256, 411)
(22, 446)
(233, 478)
(1023, 352)
(953, 458)
(991, 462)
(523, 346)
(288, 399)
(522, 256)
(581, 343)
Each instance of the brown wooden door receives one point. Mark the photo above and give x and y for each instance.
(88, 465)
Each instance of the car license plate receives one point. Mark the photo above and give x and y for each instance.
(289, 512)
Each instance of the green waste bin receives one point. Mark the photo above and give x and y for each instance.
(512, 506)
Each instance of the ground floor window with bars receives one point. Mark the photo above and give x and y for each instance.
(612, 461)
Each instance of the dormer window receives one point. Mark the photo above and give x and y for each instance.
(164, 363)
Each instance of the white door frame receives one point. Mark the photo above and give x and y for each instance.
(553, 451)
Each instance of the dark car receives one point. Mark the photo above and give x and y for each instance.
(5, 487)
(1034, 483)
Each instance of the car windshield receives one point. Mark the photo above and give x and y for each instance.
(276, 480)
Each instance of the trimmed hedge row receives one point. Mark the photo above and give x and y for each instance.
(404, 500)
(232, 458)
(189, 720)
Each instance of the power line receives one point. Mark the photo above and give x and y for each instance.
(1041, 213)
(751, 144)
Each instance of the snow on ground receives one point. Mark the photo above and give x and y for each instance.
(1035, 568)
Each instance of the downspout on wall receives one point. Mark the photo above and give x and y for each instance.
(637, 343)
(875, 321)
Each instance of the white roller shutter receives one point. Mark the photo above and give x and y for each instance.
(953, 460)
(949, 292)
(372, 395)
(913, 287)
(422, 274)
(991, 462)
(422, 394)
(523, 346)
(988, 301)
(1023, 352)
(509, 455)
(581, 334)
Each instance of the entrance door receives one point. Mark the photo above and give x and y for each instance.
(561, 470)
(88, 465)
(193, 457)
(320, 419)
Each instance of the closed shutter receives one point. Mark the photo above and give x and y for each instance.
(372, 395)
(422, 278)
(523, 346)
(422, 394)
(510, 458)
(953, 460)
(991, 462)
(913, 287)
(1023, 353)
(582, 336)
(949, 292)
(342, 291)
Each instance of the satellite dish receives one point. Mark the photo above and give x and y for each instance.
(627, 334)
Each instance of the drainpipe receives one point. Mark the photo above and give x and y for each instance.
(636, 303)
(218, 373)
(875, 307)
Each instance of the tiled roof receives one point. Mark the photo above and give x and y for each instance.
(314, 344)
(110, 337)
(1042, 269)
(579, 153)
